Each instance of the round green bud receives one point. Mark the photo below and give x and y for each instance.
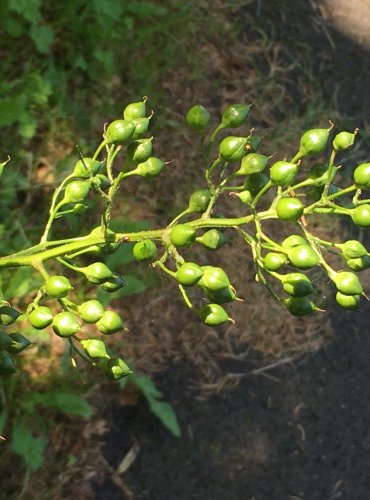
(189, 273)
(300, 306)
(94, 348)
(283, 173)
(41, 317)
(343, 140)
(97, 273)
(289, 209)
(101, 181)
(273, 261)
(76, 191)
(113, 284)
(212, 239)
(314, 141)
(252, 163)
(232, 148)
(352, 249)
(140, 150)
(235, 115)
(119, 132)
(245, 197)
(361, 176)
(293, 240)
(91, 311)
(303, 257)
(141, 127)
(110, 323)
(86, 167)
(297, 284)
(348, 301)
(361, 215)
(198, 118)
(134, 110)
(150, 168)
(214, 278)
(117, 369)
(213, 315)
(199, 201)
(347, 283)
(58, 286)
(182, 235)
(144, 250)
(79, 209)
(65, 324)
(221, 296)
(359, 264)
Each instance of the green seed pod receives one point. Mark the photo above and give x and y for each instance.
(7, 365)
(213, 315)
(79, 209)
(347, 283)
(97, 273)
(361, 176)
(101, 181)
(212, 239)
(140, 150)
(232, 148)
(144, 250)
(283, 173)
(182, 235)
(150, 168)
(198, 118)
(110, 323)
(300, 306)
(117, 369)
(135, 110)
(359, 264)
(199, 201)
(255, 182)
(245, 197)
(293, 240)
(221, 296)
(235, 115)
(19, 343)
(113, 284)
(8, 314)
(141, 127)
(214, 278)
(352, 249)
(290, 209)
(348, 301)
(5, 341)
(91, 311)
(85, 167)
(58, 286)
(109, 236)
(41, 317)
(361, 215)
(273, 261)
(119, 132)
(303, 257)
(65, 324)
(76, 191)
(297, 284)
(188, 274)
(94, 348)
(314, 141)
(252, 164)
(343, 140)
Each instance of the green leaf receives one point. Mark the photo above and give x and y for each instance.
(43, 36)
(65, 402)
(29, 447)
(11, 109)
(167, 416)
(28, 9)
(28, 126)
(147, 387)
(3, 419)
(123, 255)
(23, 281)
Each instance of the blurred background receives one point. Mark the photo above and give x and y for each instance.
(66, 69)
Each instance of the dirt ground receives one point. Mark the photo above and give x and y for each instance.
(297, 431)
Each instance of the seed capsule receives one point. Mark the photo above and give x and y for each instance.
(198, 118)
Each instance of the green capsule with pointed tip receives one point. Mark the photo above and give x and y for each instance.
(212, 239)
(235, 115)
(198, 118)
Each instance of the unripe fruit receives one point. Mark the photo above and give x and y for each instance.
(79, 209)
(113, 284)
(245, 197)
(283, 173)
(235, 115)
(189, 273)
(150, 168)
(94, 348)
(213, 315)
(117, 369)
(110, 323)
(198, 118)
(314, 141)
(361, 176)
(347, 283)
(134, 110)
(359, 264)
(141, 127)
(119, 131)
(97, 273)
(140, 150)
(58, 286)
(212, 239)
(232, 148)
(214, 278)
(65, 324)
(290, 209)
(300, 306)
(361, 215)
(343, 140)
(221, 296)
(91, 311)
(76, 191)
(41, 317)
(293, 240)
(353, 249)
(85, 167)
(303, 257)
(199, 201)
(297, 284)
(182, 235)
(348, 301)
(252, 164)
(144, 250)
(273, 261)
